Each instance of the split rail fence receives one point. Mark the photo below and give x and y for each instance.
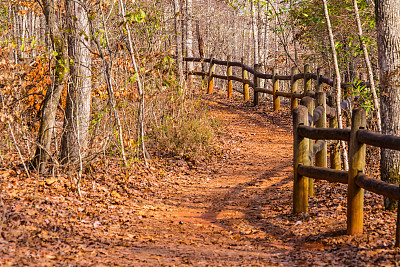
(311, 133)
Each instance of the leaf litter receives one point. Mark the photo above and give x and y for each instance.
(230, 209)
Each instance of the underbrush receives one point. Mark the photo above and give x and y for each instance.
(186, 131)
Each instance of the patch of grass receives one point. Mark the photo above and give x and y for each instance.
(186, 131)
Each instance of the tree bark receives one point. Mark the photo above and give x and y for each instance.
(201, 47)
(189, 32)
(53, 94)
(266, 39)
(259, 33)
(178, 48)
(77, 113)
(255, 33)
(387, 15)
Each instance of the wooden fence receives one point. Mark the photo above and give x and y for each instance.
(310, 124)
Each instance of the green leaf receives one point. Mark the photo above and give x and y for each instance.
(133, 78)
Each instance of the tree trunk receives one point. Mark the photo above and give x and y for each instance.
(255, 33)
(178, 49)
(77, 113)
(53, 93)
(388, 37)
(201, 47)
(136, 66)
(189, 32)
(337, 81)
(266, 39)
(369, 67)
(276, 47)
(259, 33)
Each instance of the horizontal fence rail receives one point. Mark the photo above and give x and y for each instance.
(321, 79)
(330, 175)
(324, 133)
(311, 133)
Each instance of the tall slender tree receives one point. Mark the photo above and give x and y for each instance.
(178, 45)
(189, 32)
(338, 79)
(368, 64)
(255, 33)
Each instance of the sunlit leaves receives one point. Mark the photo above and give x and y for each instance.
(138, 16)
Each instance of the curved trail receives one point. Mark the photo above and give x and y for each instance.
(238, 210)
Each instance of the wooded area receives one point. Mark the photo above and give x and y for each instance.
(125, 87)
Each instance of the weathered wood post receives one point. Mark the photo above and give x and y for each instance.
(256, 81)
(307, 80)
(335, 148)
(321, 158)
(245, 77)
(229, 73)
(318, 87)
(275, 84)
(300, 156)
(308, 102)
(355, 194)
(293, 88)
(210, 76)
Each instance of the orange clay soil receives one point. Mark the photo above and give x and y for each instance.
(233, 209)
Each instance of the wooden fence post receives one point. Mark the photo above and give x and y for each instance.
(256, 82)
(320, 72)
(309, 103)
(229, 73)
(307, 81)
(293, 87)
(335, 148)
(245, 76)
(210, 76)
(275, 83)
(355, 194)
(321, 158)
(300, 156)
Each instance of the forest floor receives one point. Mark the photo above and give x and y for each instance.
(233, 209)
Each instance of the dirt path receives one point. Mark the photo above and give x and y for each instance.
(231, 213)
(236, 211)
